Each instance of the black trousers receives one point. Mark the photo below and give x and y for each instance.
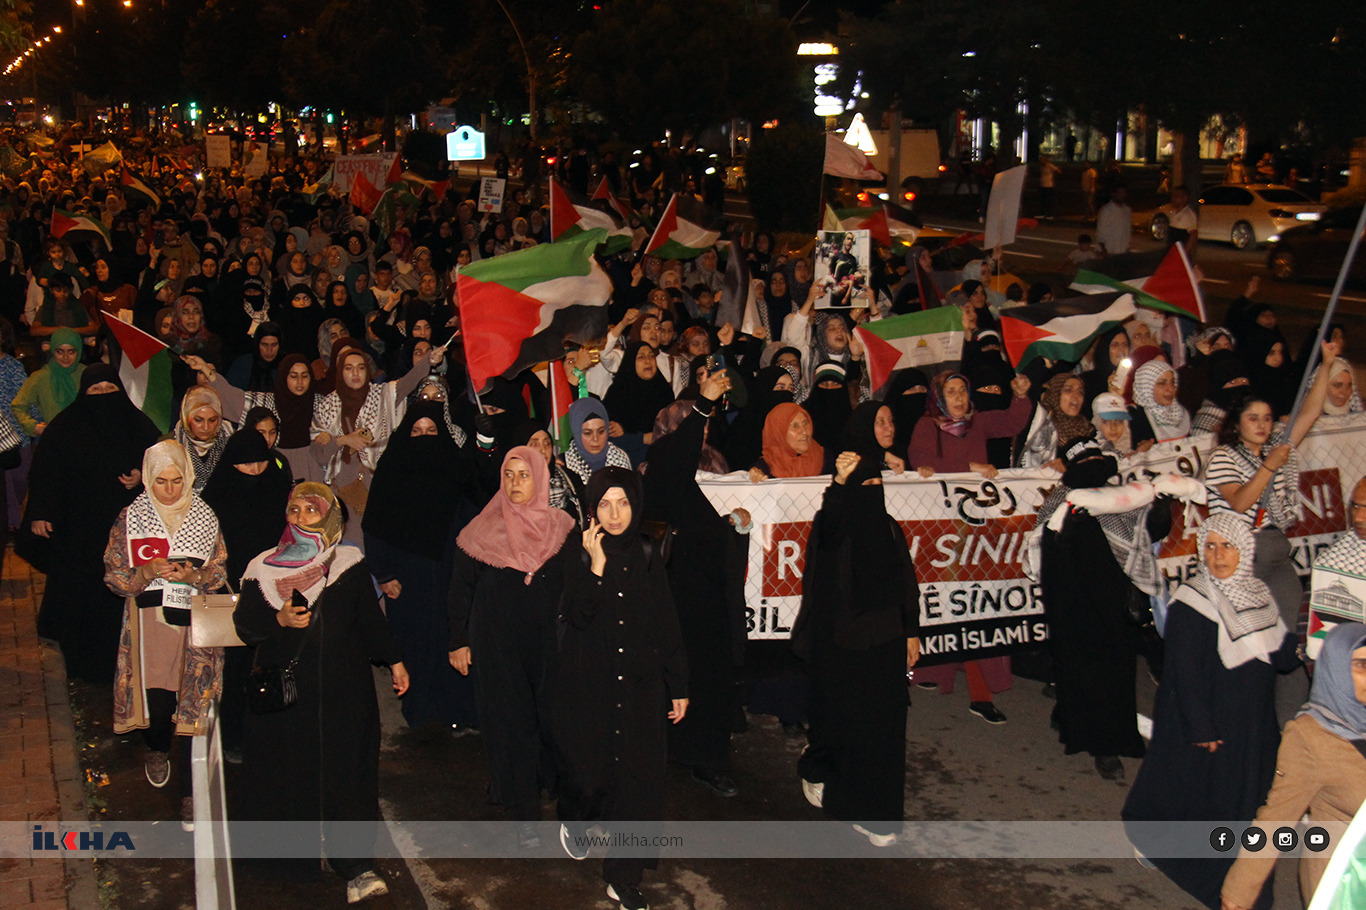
(160, 735)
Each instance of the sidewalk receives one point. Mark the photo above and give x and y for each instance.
(40, 778)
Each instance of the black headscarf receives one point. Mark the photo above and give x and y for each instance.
(745, 439)
(907, 408)
(501, 393)
(779, 305)
(829, 410)
(250, 507)
(295, 411)
(629, 482)
(262, 377)
(860, 436)
(254, 417)
(300, 324)
(1097, 379)
(1277, 384)
(426, 472)
(1223, 368)
(990, 368)
(634, 402)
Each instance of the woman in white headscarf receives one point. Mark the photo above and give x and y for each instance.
(163, 549)
(1342, 398)
(202, 431)
(1213, 750)
(1156, 413)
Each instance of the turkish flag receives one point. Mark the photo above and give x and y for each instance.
(146, 549)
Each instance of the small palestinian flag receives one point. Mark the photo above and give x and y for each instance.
(930, 340)
(519, 309)
(145, 370)
(604, 192)
(315, 191)
(64, 223)
(1062, 329)
(1159, 280)
(686, 230)
(882, 223)
(133, 185)
(438, 187)
(571, 215)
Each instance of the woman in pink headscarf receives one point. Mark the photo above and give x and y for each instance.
(504, 597)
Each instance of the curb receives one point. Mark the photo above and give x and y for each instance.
(82, 886)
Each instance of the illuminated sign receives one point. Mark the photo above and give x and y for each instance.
(859, 136)
(464, 143)
(817, 49)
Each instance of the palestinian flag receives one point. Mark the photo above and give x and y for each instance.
(882, 223)
(604, 192)
(100, 159)
(519, 309)
(931, 340)
(1063, 329)
(571, 215)
(561, 397)
(686, 230)
(1158, 279)
(64, 223)
(736, 304)
(133, 185)
(385, 212)
(315, 191)
(145, 369)
(438, 187)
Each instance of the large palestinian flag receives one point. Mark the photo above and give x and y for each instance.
(571, 215)
(931, 340)
(1158, 279)
(686, 229)
(1062, 329)
(131, 184)
(145, 369)
(519, 309)
(64, 223)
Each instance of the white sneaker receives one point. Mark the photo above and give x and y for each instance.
(567, 842)
(814, 793)
(877, 840)
(367, 884)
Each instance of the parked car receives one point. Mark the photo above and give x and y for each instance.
(1241, 215)
(1316, 249)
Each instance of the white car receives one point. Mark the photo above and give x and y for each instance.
(1243, 215)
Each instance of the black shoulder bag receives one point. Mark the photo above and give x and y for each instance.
(272, 688)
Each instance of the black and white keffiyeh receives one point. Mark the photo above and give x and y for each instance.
(1280, 499)
(1125, 531)
(1250, 625)
(575, 462)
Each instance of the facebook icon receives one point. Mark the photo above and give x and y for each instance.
(1222, 839)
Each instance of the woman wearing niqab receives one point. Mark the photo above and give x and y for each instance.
(86, 471)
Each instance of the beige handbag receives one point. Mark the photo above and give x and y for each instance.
(211, 623)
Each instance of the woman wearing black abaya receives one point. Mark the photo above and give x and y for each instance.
(828, 404)
(745, 439)
(1267, 357)
(1110, 349)
(299, 319)
(338, 305)
(907, 396)
(635, 398)
(504, 597)
(622, 674)
(1213, 751)
(86, 470)
(247, 492)
(255, 372)
(420, 498)
(318, 760)
(858, 629)
(706, 577)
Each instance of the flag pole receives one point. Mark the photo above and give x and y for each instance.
(469, 377)
(1328, 317)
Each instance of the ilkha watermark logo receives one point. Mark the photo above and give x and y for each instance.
(80, 840)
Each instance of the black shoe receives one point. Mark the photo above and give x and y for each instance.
(1049, 691)
(716, 781)
(528, 838)
(1110, 767)
(628, 896)
(987, 711)
(793, 731)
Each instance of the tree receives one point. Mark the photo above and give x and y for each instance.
(233, 50)
(132, 54)
(784, 168)
(650, 66)
(374, 56)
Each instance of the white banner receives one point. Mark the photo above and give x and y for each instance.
(218, 150)
(375, 167)
(967, 537)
